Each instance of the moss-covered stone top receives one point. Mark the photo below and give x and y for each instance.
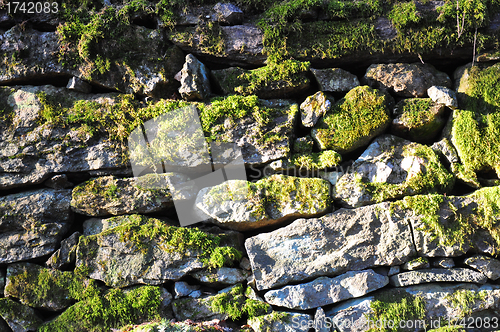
(361, 115)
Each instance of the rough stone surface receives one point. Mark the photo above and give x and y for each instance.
(388, 161)
(20, 318)
(446, 263)
(418, 124)
(320, 322)
(182, 289)
(228, 13)
(490, 267)
(49, 149)
(438, 302)
(120, 262)
(416, 264)
(219, 277)
(442, 95)
(65, 255)
(313, 108)
(394, 270)
(195, 309)
(143, 76)
(446, 149)
(404, 79)
(437, 275)
(281, 322)
(46, 217)
(78, 85)
(195, 84)
(108, 195)
(331, 245)
(243, 205)
(325, 291)
(335, 79)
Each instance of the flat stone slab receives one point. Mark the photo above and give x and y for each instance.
(437, 275)
(346, 240)
(324, 291)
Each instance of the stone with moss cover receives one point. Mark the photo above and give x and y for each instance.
(109, 195)
(281, 321)
(19, 318)
(476, 123)
(354, 121)
(391, 168)
(144, 250)
(243, 205)
(418, 119)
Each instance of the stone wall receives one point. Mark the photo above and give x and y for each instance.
(370, 143)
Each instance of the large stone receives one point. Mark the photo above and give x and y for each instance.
(46, 217)
(243, 205)
(66, 254)
(195, 83)
(30, 152)
(196, 309)
(281, 321)
(324, 291)
(418, 119)
(145, 250)
(141, 63)
(345, 127)
(405, 79)
(109, 195)
(20, 318)
(44, 288)
(232, 46)
(490, 267)
(439, 301)
(335, 79)
(437, 275)
(346, 240)
(313, 108)
(391, 168)
(220, 277)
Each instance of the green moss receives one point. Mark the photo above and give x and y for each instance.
(361, 114)
(235, 305)
(113, 309)
(476, 127)
(404, 14)
(320, 160)
(11, 310)
(396, 308)
(6, 110)
(487, 214)
(448, 329)
(303, 145)
(416, 112)
(465, 300)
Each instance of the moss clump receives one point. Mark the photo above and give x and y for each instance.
(404, 14)
(431, 179)
(396, 308)
(320, 160)
(464, 300)
(115, 119)
(476, 127)
(487, 214)
(36, 286)
(207, 37)
(416, 112)
(236, 305)
(141, 231)
(6, 110)
(353, 121)
(113, 309)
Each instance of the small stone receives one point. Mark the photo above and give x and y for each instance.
(445, 148)
(416, 264)
(303, 145)
(335, 79)
(331, 177)
(65, 255)
(313, 108)
(221, 276)
(228, 13)
(443, 95)
(182, 288)
(437, 275)
(245, 264)
(78, 85)
(321, 324)
(59, 182)
(446, 263)
(196, 294)
(394, 270)
(324, 291)
(20, 318)
(486, 265)
(195, 84)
